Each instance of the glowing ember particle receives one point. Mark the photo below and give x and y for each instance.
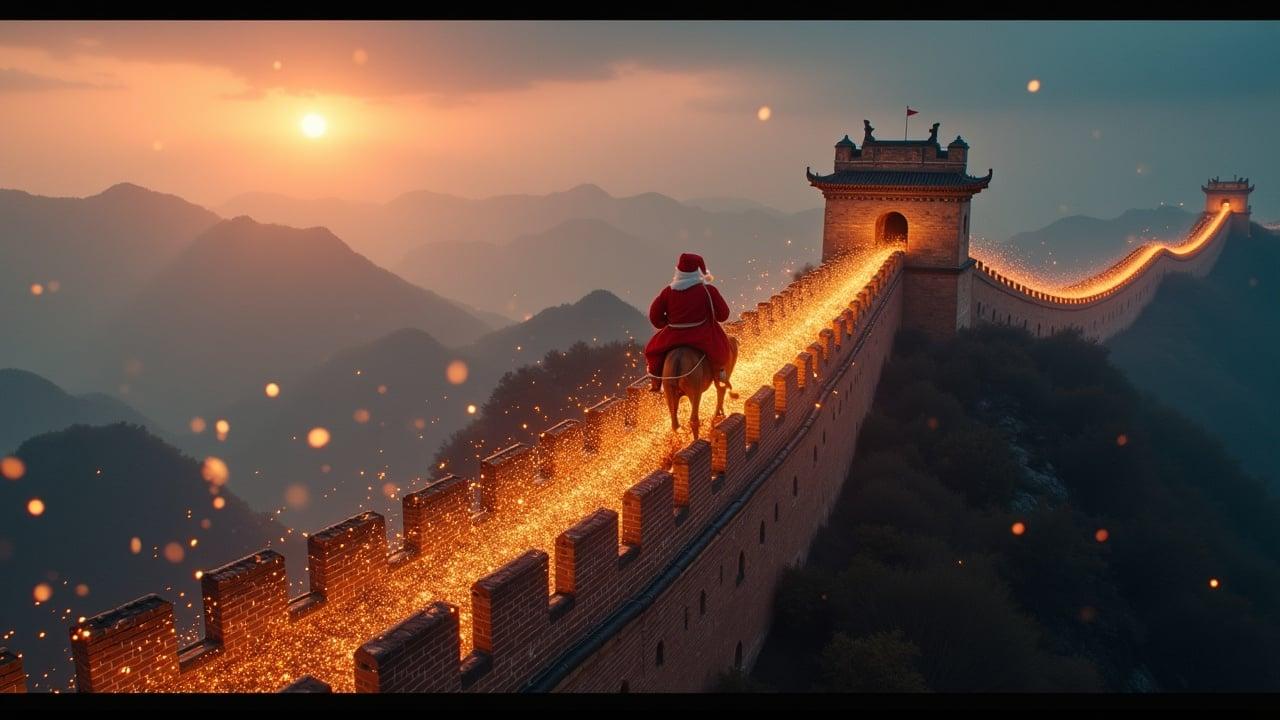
(194, 542)
(197, 425)
(389, 489)
(135, 545)
(199, 574)
(272, 390)
(82, 590)
(12, 468)
(1101, 535)
(420, 423)
(382, 389)
(42, 592)
(222, 427)
(1213, 583)
(174, 553)
(215, 470)
(297, 495)
(206, 523)
(1018, 528)
(219, 503)
(1033, 86)
(318, 437)
(35, 506)
(1122, 440)
(37, 289)
(456, 373)
(361, 416)
(471, 409)
(764, 113)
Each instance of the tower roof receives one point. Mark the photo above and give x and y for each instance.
(846, 142)
(897, 180)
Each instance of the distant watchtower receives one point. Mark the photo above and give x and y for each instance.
(1236, 192)
(915, 193)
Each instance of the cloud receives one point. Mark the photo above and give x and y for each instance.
(823, 64)
(15, 80)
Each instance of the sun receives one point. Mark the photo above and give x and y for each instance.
(314, 126)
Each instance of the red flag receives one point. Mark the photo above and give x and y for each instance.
(911, 112)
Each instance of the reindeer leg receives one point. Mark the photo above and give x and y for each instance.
(673, 403)
(720, 400)
(693, 415)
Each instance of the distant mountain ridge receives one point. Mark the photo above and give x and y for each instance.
(87, 256)
(476, 250)
(37, 406)
(246, 303)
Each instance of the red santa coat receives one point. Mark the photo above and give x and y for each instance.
(682, 307)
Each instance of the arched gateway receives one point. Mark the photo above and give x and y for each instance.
(912, 192)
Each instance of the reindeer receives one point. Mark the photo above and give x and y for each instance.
(686, 373)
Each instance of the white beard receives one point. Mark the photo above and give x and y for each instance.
(685, 280)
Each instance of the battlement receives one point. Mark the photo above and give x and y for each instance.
(901, 155)
(531, 609)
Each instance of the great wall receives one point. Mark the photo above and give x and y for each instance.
(611, 556)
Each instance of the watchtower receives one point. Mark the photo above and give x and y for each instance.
(1235, 191)
(912, 193)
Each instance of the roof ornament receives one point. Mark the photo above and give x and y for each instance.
(866, 132)
(933, 133)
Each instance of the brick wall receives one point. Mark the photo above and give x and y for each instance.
(996, 300)
(132, 648)
(244, 600)
(347, 557)
(12, 677)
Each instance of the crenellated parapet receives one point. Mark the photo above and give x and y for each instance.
(1107, 302)
(527, 614)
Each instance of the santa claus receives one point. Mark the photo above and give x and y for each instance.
(688, 312)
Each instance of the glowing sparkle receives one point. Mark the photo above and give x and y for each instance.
(42, 592)
(174, 553)
(456, 373)
(1122, 440)
(219, 503)
(35, 506)
(272, 390)
(764, 113)
(1213, 583)
(1018, 528)
(135, 545)
(197, 425)
(12, 468)
(1033, 86)
(471, 409)
(82, 590)
(37, 289)
(360, 415)
(214, 470)
(318, 437)
(1101, 535)
(297, 495)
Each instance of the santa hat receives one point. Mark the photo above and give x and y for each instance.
(690, 262)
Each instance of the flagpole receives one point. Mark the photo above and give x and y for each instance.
(905, 121)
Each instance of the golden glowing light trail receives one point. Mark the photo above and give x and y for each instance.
(322, 644)
(1103, 283)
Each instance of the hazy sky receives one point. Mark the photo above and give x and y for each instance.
(1127, 115)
